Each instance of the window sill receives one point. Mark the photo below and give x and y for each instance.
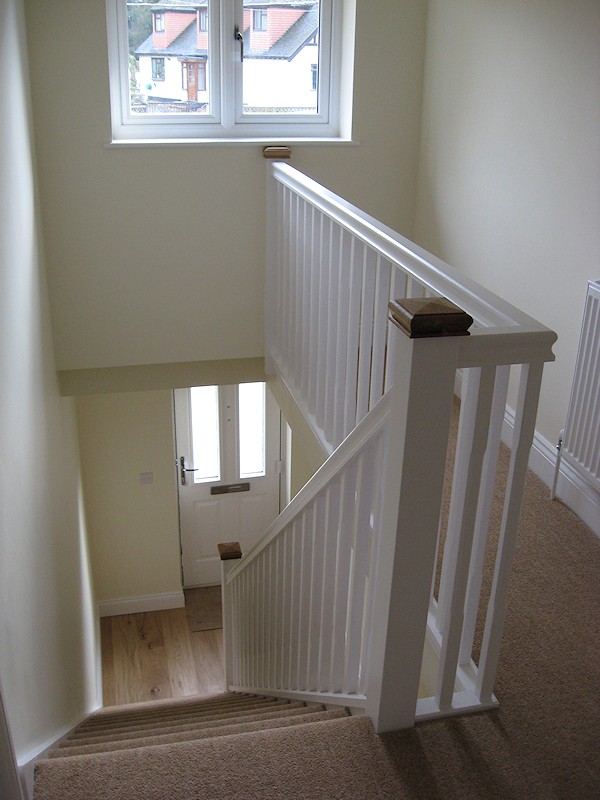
(224, 142)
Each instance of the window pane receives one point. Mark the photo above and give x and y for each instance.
(168, 57)
(252, 429)
(281, 56)
(204, 402)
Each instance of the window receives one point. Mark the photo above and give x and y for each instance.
(259, 19)
(250, 87)
(158, 69)
(212, 410)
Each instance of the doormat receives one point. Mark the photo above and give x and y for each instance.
(203, 607)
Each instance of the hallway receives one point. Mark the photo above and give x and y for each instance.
(155, 655)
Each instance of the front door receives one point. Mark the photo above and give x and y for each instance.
(228, 471)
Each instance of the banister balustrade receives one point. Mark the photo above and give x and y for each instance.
(340, 599)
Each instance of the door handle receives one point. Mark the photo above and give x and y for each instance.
(183, 469)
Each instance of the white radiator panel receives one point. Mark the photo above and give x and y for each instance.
(581, 442)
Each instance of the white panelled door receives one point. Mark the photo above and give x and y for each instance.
(228, 472)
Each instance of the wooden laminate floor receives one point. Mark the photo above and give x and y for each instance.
(155, 655)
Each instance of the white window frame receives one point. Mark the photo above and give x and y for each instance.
(226, 120)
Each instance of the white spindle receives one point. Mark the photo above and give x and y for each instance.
(472, 440)
(365, 348)
(332, 521)
(315, 631)
(382, 295)
(483, 514)
(352, 323)
(365, 491)
(342, 578)
(527, 401)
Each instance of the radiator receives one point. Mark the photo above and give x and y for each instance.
(580, 446)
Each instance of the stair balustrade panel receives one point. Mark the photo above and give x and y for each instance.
(374, 557)
(302, 604)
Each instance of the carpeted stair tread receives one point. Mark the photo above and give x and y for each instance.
(150, 733)
(191, 713)
(157, 709)
(331, 760)
(148, 729)
(129, 709)
(311, 714)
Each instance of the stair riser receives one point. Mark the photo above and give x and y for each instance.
(88, 737)
(294, 718)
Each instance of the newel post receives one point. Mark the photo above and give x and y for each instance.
(229, 552)
(426, 356)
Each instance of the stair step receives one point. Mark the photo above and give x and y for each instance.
(295, 717)
(149, 730)
(159, 709)
(313, 761)
(191, 713)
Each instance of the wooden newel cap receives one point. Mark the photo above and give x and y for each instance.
(429, 316)
(229, 550)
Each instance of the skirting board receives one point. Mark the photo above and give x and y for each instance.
(26, 764)
(138, 605)
(571, 489)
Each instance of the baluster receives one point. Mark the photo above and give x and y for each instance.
(483, 514)
(470, 450)
(305, 583)
(287, 605)
(341, 353)
(315, 631)
(527, 402)
(332, 525)
(323, 261)
(365, 489)
(280, 612)
(382, 295)
(316, 321)
(366, 354)
(352, 325)
(304, 300)
(335, 300)
(296, 603)
(398, 288)
(342, 578)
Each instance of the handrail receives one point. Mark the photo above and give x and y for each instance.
(488, 309)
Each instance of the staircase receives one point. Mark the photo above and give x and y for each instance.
(223, 746)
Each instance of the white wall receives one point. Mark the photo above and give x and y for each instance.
(47, 627)
(133, 527)
(156, 255)
(510, 162)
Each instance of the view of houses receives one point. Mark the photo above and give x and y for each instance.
(170, 56)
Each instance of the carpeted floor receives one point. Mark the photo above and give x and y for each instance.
(544, 740)
(543, 743)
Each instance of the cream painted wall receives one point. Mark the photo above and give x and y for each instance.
(48, 633)
(156, 254)
(509, 187)
(133, 527)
